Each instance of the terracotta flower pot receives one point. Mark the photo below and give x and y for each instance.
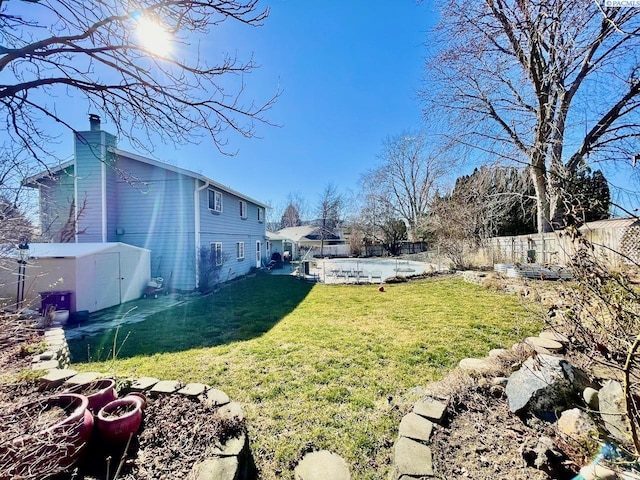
(120, 419)
(141, 396)
(98, 392)
(48, 449)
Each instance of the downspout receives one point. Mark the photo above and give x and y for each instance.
(196, 218)
(103, 174)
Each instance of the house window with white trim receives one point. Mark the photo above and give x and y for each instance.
(215, 201)
(216, 253)
(260, 214)
(243, 209)
(240, 250)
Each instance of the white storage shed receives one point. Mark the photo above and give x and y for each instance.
(98, 275)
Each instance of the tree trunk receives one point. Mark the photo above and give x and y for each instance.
(543, 206)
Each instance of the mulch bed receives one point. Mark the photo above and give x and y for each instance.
(176, 432)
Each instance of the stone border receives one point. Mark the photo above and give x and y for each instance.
(57, 353)
(232, 461)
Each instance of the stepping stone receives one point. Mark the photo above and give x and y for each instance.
(143, 383)
(46, 365)
(322, 465)
(430, 409)
(544, 345)
(216, 468)
(53, 332)
(231, 411)
(165, 387)
(85, 377)
(193, 389)
(216, 398)
(56, 377)
(43, 357)
(412, 458)
(553, 335)
(416, 427)
(477, 365)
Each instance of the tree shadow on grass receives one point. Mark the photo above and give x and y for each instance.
(241, 310)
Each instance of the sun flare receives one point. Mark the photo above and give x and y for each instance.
(154, 37)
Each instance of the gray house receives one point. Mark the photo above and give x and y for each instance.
(108, 195)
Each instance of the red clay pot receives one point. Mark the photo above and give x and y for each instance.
(55, 447)
(106, 393)
(117, 430)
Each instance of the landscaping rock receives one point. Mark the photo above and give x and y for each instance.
(590, 396)
(553, 335)
(216, 468)
(216, 397)
(498, 352)
(412, 458)
(193, 389)
(613, 410)
(322, 465)
(233, 447)
(545, 456)
(576, 424)
(542, 385)
(230, 411)
(165, 387)
(477, 365)
(143, 383)
(544, 345)
(430, 409)
(416, 427)
(597, 472)
(56, 377)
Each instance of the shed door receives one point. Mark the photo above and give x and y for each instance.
(107, 280)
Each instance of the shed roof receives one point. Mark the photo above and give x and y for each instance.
(611, 223)
(73, 250)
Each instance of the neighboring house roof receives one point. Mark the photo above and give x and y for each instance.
(305, 232)
(32, 181)
(274, 237)
(71, 250)
(611, 223)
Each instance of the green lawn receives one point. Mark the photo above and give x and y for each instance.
(314, 366)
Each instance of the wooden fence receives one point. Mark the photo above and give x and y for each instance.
(616, 241)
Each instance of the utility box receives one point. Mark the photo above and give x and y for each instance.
(60, 300)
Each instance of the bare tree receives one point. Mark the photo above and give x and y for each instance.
(406, 179)
(375, 220)
(294, 211)
(329, 211)
(552, 84)
(108, 54)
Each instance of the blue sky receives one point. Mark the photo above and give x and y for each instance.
(348, 73)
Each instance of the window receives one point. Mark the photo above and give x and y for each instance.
(216, 252)
(215, 201)
(243, 209)
(240, 250)
(260, 214)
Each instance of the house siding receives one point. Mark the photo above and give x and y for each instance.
(154, 210)
(130, 199)
(229, 228)
(91, 155)
(56, 198)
